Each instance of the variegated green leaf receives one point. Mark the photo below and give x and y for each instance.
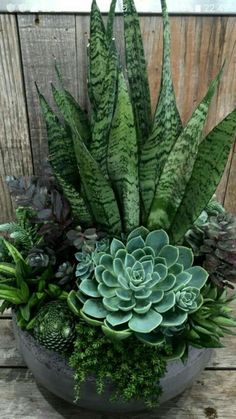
(122, 158)
(98, 190)
(179, 166)
(166, 127)
(60, 144)
(208, 169)
(77, 203)
(110, 20)
(137, 72)
(104, 112)
(99, 193)
(98, 55)
(66, 103)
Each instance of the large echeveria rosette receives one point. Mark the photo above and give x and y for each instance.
(142, 287)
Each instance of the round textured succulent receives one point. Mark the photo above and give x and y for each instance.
(41, 257)
(65, 273)
(54, 326)
(85, 267)
(142, 286)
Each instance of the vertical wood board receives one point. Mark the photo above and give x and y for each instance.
(46, 39)
(15, 150)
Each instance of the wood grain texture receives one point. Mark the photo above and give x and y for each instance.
(46, 39)
(15, 151)
(208, 398)
(200, 44)
(230, 197)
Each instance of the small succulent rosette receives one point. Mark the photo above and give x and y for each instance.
(143, 286)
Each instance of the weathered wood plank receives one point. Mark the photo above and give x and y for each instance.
(9, 355)
(45, 39)
(230, 197)
(22, 398)
(15, 151)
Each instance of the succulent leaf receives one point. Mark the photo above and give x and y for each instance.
(212, 156)
(122, 158)
(137, 72)
(179, 165)
(166, 128)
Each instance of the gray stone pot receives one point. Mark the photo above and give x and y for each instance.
(52, 371)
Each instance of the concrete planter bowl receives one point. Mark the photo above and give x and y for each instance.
(53, 372)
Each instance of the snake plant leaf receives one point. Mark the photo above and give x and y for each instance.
(66, 103)
(79, 208)
(110, 20)
(122, 158)
(98, 190)
(208, 169)
(166, 127)
(104, 112)
(98, 53)
(60, 144)
(137, 72)
(179, 165)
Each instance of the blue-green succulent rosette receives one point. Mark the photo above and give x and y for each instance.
(142, 286)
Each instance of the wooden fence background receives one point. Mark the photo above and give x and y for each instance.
(30, 44)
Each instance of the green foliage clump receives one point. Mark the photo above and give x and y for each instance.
(213, 320)
(133, 367)
(24, 235)
(26, 288)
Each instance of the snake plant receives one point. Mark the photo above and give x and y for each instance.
(121, 167)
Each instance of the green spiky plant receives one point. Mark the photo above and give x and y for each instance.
(123, 168)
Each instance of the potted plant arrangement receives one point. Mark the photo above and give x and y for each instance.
(119, 262)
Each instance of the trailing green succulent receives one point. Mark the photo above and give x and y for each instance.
(105, 164)
(212, 321)
(134, 368)
(140, 286)
(54, 326)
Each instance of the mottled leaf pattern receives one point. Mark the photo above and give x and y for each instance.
(66, 103)
(208, 169)
(179, 166)
(79, 208)
(104, 112)
(166, 127)
(60, 144)
(122, 158)
(110, 20)
(98, 55)
(98, 191)
(137, 72)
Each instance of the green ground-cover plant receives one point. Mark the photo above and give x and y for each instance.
(134, 377)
